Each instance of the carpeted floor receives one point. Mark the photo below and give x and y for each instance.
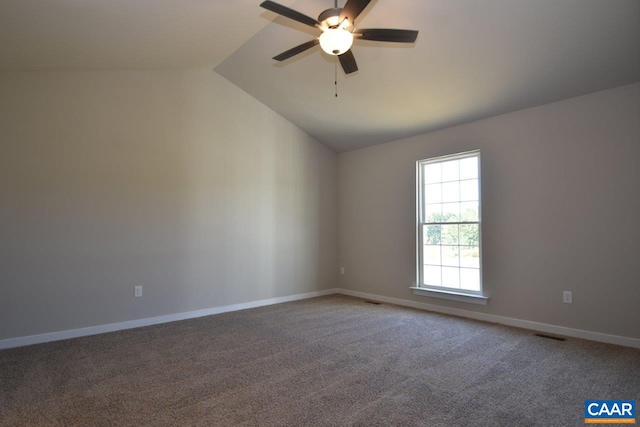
(333, 360)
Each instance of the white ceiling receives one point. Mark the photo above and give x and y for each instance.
(472, 59)
(123, 34)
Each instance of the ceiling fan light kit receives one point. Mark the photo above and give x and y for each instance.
(336, 41)
(338, 32)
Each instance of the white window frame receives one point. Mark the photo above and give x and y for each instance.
(471, 296)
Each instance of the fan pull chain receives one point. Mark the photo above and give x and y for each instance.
(335, 69)
(335, 82)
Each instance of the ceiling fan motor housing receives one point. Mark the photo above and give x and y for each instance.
(330, 17)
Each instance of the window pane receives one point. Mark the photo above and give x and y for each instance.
(470, 234)
(469, 211)
(451, 192)
(470, 278)
(433, 213)
(431, 235)
(432, 255)
(450, 256)
(470, 256)
(450, 170)
(433, 193)
(469, 190)
(451, 212)
(451, 277)
(450, 234)
(432, 275)
(469, 168)
(432, 173)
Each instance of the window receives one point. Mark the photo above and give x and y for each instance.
(449, 237)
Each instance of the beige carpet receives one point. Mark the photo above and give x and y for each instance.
(325, 361)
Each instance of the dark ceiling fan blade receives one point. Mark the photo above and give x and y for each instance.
(296, 50)
(289, 13)
(386, 35)
(348, 62)
(352, 9)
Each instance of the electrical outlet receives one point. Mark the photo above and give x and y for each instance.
(567, 297)
(137, 291)
(342, 270)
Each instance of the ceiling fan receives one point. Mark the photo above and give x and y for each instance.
(338, 32)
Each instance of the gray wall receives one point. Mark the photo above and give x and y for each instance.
(173, 180)
(561, 205)
(180, 182)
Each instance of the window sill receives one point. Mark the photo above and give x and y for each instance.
(450, 295)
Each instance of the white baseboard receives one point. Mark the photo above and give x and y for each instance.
(525, 324)
(93, 330)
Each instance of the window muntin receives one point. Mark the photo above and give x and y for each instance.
(449, 243)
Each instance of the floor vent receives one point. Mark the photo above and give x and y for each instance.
(551, 337)
(373, 302)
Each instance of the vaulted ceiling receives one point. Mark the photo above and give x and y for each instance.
(472, 59)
